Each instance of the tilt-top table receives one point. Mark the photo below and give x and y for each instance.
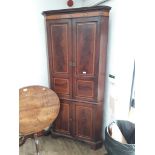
(38, 108)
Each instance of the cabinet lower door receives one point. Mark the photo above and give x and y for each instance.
(83, 121)
(63, 121)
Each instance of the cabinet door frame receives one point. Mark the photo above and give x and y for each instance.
(84, 125)
(59, 124)
(64, 78)
(89, 80)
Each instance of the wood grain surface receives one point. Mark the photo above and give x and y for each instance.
(59, 146)
(38, 108)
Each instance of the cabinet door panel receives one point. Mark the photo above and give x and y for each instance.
(62, 123)
(61, 85)
(84, 121)
(85, 55)
(59, 48)
(60, 54)
(85, 88)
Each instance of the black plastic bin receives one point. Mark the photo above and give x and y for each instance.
(114, 147)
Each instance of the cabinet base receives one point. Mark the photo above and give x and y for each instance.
(93, 145)
(96, 145)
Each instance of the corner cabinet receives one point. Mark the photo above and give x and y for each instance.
(77, 46)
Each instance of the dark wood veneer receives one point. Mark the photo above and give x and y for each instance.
(77, 46)
(84, 122)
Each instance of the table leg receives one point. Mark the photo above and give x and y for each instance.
(36, 143)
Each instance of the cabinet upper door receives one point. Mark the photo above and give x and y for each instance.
(86, 38)
(60, 54)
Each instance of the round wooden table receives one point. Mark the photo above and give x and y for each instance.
(38, 108)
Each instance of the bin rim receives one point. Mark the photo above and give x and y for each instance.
(106, 129)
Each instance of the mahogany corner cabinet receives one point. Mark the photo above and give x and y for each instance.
(77, 46)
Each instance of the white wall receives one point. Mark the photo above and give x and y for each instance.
(30, 40)
(23, 59)
(120, 61)
(88, 3)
